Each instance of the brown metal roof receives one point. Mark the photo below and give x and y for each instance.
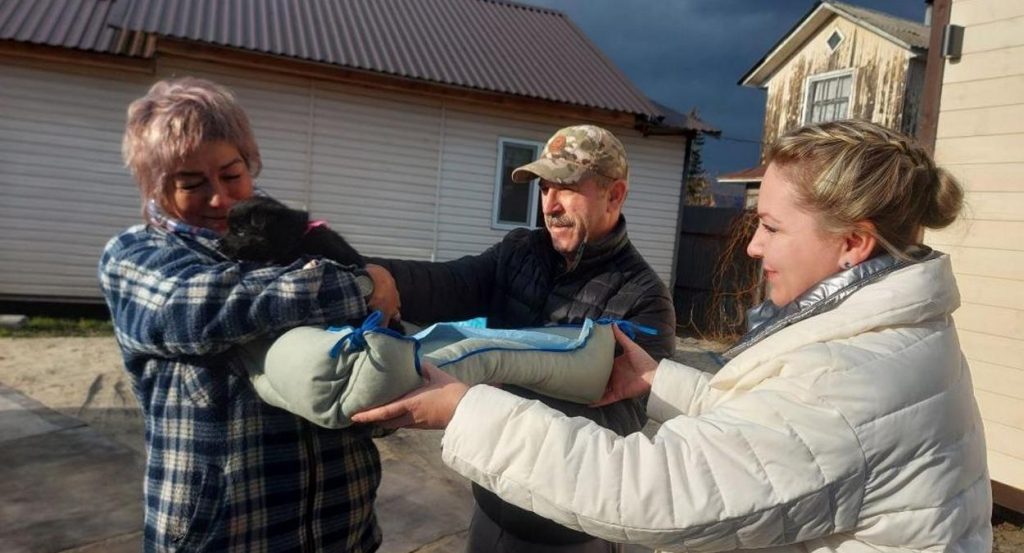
(753, 174)
(489, 45)
(79, 24)
(482, 44)
(76, 24)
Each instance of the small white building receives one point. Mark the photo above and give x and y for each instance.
(395, 120)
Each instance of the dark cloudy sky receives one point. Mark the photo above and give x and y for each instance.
(691, 53)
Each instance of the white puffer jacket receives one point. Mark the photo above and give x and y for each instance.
(853, 430)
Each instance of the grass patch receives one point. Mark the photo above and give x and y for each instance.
(44, 327)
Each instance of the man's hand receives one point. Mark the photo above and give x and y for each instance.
(430, 406)
(385, 296)
(632, 372)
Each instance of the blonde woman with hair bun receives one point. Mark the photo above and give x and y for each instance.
(843, 421)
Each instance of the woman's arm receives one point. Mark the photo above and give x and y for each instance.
(676, 390)
(770, 468)
(168, 300)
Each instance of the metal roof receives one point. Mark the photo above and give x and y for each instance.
(79, 24)
(482, 44)
(488, 45)
(752, 174)
(673, 119)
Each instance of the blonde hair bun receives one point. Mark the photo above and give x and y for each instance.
(851, 171)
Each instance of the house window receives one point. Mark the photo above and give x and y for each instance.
(828, 97)
(834, 40)
(515, 204)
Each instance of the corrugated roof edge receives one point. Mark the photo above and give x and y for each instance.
(118, 38)
(672, 122)
(83, 30)
(529, 7)
(122, 11)
(851, 11)
(614, 68)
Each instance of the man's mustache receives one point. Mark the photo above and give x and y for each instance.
(564, 220)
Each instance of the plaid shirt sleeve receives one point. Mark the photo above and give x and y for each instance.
(171, 296)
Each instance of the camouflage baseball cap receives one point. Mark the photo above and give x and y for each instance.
(575, 153)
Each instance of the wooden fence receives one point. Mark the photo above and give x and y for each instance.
(703, 237)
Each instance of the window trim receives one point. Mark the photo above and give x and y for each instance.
(535, 190)
(842, 37)
(809, 86)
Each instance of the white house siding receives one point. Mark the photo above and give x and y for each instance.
(375, 170)
(980, 138)
(656, 168)
(374, 164)
(63, 191)
(468, 172)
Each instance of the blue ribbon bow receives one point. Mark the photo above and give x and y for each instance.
(355, 341)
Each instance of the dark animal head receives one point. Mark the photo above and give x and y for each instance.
(264, 229)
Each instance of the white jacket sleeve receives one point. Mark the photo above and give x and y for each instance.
(677, 390)
(769, 468)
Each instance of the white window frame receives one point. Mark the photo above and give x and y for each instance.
(534, 189)
(842, 37)
(809, 86)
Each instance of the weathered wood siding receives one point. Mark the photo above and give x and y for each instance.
(401, 175)
(880, 74)
(980, 138)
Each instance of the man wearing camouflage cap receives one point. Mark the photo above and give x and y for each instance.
(583, 181)
(581, 265)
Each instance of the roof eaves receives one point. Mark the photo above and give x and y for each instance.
(778, 45)
(751, 174)
(645, 102)
(129, 18)
(842, 9)
(672, 122)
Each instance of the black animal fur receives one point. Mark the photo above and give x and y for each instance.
(265, 230)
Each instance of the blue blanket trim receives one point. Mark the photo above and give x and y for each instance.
(570, 347)
(355, 340)
(553, 346)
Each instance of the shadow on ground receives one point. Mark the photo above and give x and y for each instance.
(72, 458)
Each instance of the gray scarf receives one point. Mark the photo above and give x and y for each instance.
(767, 318)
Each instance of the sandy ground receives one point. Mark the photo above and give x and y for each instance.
(84, 378)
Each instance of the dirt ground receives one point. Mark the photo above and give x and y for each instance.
(84, 378)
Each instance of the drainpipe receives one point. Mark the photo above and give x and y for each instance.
(927, 127)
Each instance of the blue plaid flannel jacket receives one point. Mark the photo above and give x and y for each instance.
(225, 471)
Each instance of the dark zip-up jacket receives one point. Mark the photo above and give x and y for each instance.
(522, 282)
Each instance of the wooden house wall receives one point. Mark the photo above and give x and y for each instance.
(880, 74)
(980, 139)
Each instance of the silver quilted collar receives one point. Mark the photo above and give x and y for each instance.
(767, 318)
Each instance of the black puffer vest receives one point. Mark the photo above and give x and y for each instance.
(521, 282)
